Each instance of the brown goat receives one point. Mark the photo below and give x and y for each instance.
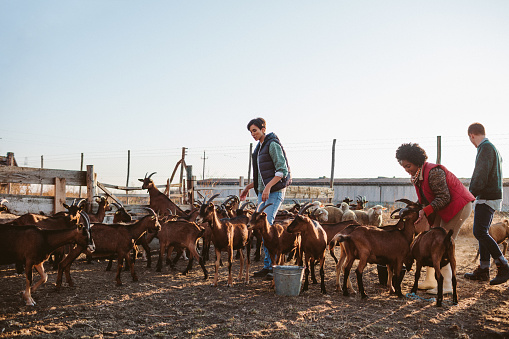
(228, 234)
(32, 246)
(159, 202)
(313, 245)
(121, 215)
(332, 229)
(275, 237)
(434, 248)
(60, 220)
(184, 234)
(375, 245)
(111, 239)
(103, 207)
(500, 233)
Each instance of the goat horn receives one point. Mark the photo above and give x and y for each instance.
(212, 198)
(86, 218)
(244, 205)
(80, 202)
(228, 198)
(396, 210)
(151, 175)
(305, 207)
(117, 205)
(3, 201)
(151, 211)
(406, 201)
(171, 212)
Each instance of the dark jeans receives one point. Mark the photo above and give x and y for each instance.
(483, 215)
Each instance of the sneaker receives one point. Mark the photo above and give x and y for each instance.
(502, 275)
(262, 273)
(482, 274)
(269, 276)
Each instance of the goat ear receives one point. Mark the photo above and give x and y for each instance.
(140, 180)
(65, 205)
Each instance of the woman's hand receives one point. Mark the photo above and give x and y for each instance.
(421, 215)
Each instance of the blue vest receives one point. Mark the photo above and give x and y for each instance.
(267, 168)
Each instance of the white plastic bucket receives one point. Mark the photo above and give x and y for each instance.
(288, 279)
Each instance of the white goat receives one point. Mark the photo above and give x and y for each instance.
(348, 214)
(334, 214)
(375, 215)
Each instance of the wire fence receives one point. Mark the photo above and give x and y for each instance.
(361, 158)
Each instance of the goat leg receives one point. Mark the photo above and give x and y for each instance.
(360, 283)
(28, 282)
(159, 265)
(130, 264)
(440, 280)
(230, 264)
(218, 258)
(120, 264)
(144, 243)
(398, 274)
(194, 254)
(452, 261)
(44, 276)
(248, 258)
(189, 265)
(346, 277)
(418, 267)
(322, 275)
(331, 250)
(313, 276)
(306, 275)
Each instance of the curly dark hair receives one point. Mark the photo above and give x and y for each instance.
(413, 153)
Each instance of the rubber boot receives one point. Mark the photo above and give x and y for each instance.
(430, 281)
(447, 274)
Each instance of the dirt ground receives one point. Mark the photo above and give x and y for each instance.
(170, 305)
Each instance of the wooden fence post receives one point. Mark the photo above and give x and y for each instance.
(91, 183)
(333, 163)
(42, 166)
(81, 169)
(59, 195)
(241, 184)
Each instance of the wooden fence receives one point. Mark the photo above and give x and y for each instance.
(183, 193)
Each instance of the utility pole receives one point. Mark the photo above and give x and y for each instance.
(203, 173)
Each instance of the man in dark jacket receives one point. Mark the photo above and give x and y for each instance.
(486, 186)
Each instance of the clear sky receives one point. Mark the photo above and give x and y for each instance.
(104, 77)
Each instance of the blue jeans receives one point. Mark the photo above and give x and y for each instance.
(483, 216)
(276, 198)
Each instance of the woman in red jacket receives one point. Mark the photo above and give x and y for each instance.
(440, 191)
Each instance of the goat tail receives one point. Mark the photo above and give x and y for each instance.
(448, 239)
